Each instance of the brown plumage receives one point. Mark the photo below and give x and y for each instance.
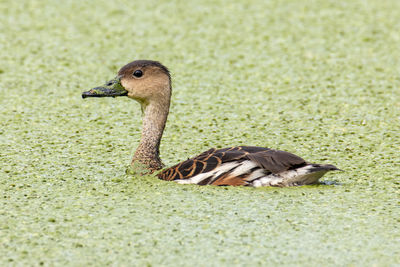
(149, 83)
(269, 161)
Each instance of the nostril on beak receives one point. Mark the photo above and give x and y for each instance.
(109, 83)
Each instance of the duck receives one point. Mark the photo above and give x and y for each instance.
(149, 83)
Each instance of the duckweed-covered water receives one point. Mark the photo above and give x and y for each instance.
(317, 78)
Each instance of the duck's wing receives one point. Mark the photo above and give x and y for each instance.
(232, 166)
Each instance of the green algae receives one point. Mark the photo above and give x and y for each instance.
(317, 78)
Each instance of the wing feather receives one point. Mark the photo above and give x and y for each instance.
(270, 160)
(276, 161)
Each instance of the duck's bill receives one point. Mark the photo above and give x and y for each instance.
(112, 88)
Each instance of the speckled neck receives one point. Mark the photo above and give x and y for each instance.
(155, 116)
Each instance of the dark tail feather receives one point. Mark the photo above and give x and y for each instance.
(324, 167)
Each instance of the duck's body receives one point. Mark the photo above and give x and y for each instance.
(149, 83)
(246, 165)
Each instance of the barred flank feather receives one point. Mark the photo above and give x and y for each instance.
(246, 165)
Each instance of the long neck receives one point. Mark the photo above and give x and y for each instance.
(154, 118)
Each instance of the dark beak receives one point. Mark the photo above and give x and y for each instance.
(112, 88)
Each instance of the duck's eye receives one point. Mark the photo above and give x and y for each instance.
(138, 73)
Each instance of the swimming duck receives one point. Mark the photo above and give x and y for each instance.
(149, 83)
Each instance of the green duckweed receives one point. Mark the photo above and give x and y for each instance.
(316, 78)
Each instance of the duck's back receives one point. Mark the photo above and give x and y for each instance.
(246, 165)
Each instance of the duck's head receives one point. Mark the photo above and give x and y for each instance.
(142, 80)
